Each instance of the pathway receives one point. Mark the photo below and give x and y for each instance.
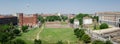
(68, 42)
(37, 37)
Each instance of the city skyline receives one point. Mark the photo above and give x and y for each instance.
(61, 6)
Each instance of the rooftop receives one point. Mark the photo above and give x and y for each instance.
(110, 13)
(2, 16)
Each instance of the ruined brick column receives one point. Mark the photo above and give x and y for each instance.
(20, 19)
(35, 19)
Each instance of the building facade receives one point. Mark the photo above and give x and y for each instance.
(8, 20)
(29, 20)
(111, 18)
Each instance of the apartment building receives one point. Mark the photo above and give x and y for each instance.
(111, 18)
(6, 19)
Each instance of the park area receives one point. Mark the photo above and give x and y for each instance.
(50, 35)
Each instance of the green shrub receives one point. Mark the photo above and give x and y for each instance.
(79, 33)
(59, 42)
(104, 26)
(108, 42)
(19, 41)
(16, 32)
(3, 37)
(24, 28)
(98, 42)
(10, 42)
(86, 38)
(37, 41)
(71, 21)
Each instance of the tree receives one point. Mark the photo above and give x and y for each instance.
(41, 19)
(96, 17)
(19, 41)
(80, 18)
(6, 33)
(10, 42)
(11, 35)
(3, 37)
(82, 32)
(64, 17)
(108, 42)
(75, 30)
(81, 21)
(79, 33)
(103, 26)
(98, 42)
(59, 42)
(37, 41)
(16, 32)
(24, 28)
(71, 20)
(4, 28)
(86, 38)
(53, 18)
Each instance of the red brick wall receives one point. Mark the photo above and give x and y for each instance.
(29, 20)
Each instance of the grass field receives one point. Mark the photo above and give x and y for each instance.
(50, 35)
(53, 35)
(29, 36)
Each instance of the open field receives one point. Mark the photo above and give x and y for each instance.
(52, 35)
(29, 36)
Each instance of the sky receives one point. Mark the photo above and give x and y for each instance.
(58, 6)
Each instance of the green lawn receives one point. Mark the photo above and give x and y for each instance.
(52, 35)
(29, 36)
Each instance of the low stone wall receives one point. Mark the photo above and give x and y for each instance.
(56, 25)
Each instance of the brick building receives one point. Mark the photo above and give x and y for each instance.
(8, 20)
(29, 20)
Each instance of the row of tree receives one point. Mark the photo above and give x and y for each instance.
(80, 34)
(52, 18)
